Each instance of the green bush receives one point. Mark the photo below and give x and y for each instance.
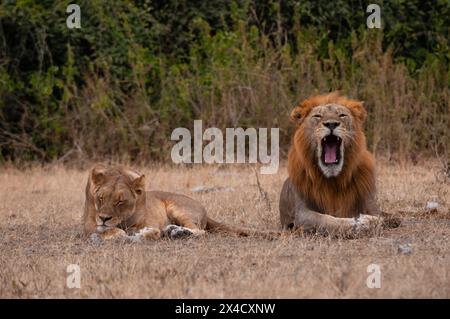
(136, 70)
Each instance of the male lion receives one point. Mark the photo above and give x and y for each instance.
(117, 205)
(331, 183)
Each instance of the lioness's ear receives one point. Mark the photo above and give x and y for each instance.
(296, 115)
(138, 184)
(98, 174)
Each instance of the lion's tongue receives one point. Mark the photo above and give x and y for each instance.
(330, 153)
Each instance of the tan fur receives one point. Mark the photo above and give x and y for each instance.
(117, 194)
(329, 197)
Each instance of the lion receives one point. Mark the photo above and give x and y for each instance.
(331, 184)
(117, 205)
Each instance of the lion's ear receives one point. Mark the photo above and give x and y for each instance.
(98, 174)
(138, 184)
(296, 115)
(359, 111)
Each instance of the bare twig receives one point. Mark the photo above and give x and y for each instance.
(262, 193)
(22, 142)
(444, 163)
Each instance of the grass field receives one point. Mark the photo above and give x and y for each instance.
(40, 210)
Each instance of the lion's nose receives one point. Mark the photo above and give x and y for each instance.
(104, 219)
(331, 125)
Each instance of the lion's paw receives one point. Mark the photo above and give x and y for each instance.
(365, 223)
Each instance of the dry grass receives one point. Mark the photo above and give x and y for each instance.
(40, 213)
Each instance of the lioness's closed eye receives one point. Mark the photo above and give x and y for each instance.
(117, 205)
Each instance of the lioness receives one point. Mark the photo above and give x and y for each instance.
(117, 205)
(331, 184)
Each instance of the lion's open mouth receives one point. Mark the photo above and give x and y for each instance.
(331, 149)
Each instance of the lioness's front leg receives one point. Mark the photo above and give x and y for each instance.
(108, 233)
(145, 233)
(187, 216)
(178, 232)
(295, 214)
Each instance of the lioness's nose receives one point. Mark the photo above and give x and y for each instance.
(104, 219)
(331, 125)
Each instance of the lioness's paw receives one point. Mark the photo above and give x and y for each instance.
(112, 233)
(180, 233)
(95, 238)
(145, 233)
(168, 229)
(177, 232)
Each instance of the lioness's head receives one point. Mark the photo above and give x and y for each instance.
(116, 192)
(328, 127)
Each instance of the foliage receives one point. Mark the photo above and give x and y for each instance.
(136, 70)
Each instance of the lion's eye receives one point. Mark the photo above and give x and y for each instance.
(317, 116)
(342, 115)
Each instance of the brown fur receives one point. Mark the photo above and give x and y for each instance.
(344, 195)
(337, 198)
(117, 195)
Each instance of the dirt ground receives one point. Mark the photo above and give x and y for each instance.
(40, 224)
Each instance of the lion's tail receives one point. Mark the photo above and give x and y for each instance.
(217, 227)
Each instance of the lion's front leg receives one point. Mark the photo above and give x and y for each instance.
(311, 221)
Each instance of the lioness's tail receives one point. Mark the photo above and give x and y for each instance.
(217, 227)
